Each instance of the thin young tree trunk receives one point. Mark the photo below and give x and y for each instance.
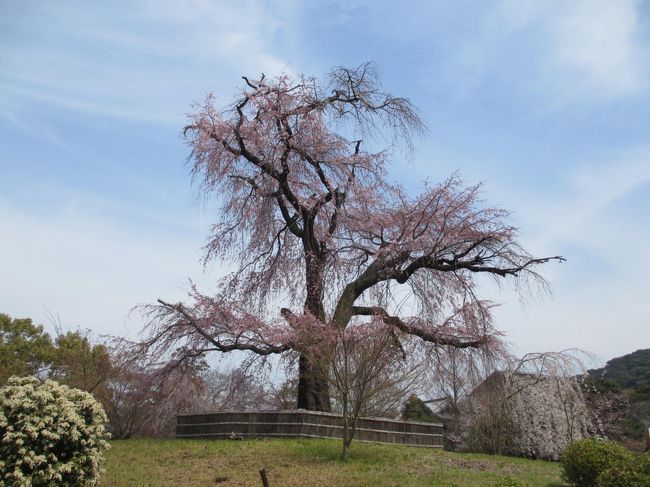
(347, 438)
(346, 449)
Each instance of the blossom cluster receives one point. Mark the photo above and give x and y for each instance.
(50, 434)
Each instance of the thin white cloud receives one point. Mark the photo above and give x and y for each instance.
(604, 183)
(38, 129)
(591, 46)
(591, 189)
(599, 292)
(98, 60)
(597, 41)
(89, 269)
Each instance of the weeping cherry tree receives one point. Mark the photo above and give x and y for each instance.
(322, 240)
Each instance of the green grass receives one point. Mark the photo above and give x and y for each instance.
(311, 462)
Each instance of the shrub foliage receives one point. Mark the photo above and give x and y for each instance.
(415, 409)
(584, 460)
(631, 472)
(51, 434)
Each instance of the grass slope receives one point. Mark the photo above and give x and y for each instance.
(311, 462)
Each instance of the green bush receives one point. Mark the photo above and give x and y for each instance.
(631, 472)
(583, 460)
(50, 434)
(415, 409)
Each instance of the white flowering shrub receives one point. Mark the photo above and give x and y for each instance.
(50, 434)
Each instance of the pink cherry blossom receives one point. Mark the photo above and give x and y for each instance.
(321, 239)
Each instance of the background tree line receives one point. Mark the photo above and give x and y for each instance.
(138, 399)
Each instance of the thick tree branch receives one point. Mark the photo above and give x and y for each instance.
(260, 348)
(428, 336)
(477, 264)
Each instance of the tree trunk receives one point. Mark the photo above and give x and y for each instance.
(313, 388)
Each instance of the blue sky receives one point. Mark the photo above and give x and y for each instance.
(546, 102)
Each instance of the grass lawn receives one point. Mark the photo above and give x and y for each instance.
(311, 462)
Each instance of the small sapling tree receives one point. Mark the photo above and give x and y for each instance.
(454, 372)
(367, 369)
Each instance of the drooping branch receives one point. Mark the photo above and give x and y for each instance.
(432, 336)
(178, 321)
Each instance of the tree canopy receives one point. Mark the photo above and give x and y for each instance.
(321, 239)
(25, 348)
(71, 358)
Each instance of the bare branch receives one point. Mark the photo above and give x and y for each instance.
(428, 336)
